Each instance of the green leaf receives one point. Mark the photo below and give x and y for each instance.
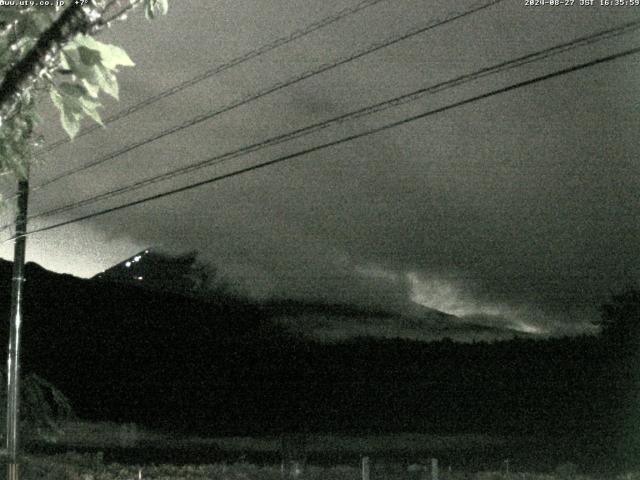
(92, 89)
(94, 64)
(108, 82)
(148, 10)
(153, 8)
(89, 56)
(111, 55)
(56, 98)
(69, 119)
(90, 108)
(94, 78)
(70, 122)
(64, 63)
(78, 100)
(73, 101)
(72, 89)
(77, 66)
(163, 6)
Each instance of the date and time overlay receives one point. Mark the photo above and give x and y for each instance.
(526, 3)
(581, 3)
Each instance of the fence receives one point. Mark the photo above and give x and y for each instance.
(293, 450)
(423, 469)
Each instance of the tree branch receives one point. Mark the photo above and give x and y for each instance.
(25, 73)
(121, 14)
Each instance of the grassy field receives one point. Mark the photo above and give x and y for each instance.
(129, 443)
(74, 466)
(93, 451)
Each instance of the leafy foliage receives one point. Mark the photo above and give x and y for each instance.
(42, 407)
(93, 66)
(152, 8)
(19, 31)
(75, 76)
(17, 139)
(620, 319)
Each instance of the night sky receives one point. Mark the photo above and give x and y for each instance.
(516, 211)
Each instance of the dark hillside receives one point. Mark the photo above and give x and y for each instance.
(125, 353)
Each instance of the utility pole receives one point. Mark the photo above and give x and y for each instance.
(13, 366)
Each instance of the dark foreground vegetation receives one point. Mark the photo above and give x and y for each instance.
(222, 367)
(73, 466)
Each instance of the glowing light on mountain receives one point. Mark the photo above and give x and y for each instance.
(451, 298)
(528, 328)
(438, 294)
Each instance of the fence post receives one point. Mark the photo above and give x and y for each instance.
(366, 469)
(434, 469)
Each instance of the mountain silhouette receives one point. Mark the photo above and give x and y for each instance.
(122, 351)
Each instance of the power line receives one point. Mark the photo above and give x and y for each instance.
(349, 138)
(250, 55)
(267, 91)
(396, 101)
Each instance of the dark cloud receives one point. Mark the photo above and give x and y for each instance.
(516, 213)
